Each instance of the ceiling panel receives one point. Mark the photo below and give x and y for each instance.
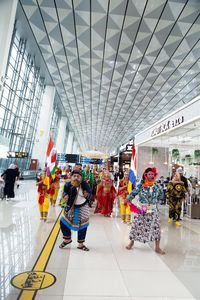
(118, 66)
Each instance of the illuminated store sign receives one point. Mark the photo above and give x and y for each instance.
(163, 127)
(127, 147)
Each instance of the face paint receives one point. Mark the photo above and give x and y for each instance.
(150, 176)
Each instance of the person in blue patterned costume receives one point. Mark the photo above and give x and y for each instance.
(146, 221)
(76, 212)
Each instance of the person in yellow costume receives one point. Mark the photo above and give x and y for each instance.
(43, 196)
(123, 193)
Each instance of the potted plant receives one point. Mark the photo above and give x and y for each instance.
(197, 155)
(188, 158)
(175, 154)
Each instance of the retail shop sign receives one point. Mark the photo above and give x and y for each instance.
(127, 147)
(163, 127)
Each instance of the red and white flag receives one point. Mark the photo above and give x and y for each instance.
(51, 158)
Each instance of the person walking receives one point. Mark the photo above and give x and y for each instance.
(9, 177)
(175, 196)
(187, 187)
(76, 212)
(106, 195)
(123, 193)
(43, 195)
(146, 222)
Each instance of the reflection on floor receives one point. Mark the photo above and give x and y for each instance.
(108, 271)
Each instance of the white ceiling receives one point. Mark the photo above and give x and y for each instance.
(118, 65)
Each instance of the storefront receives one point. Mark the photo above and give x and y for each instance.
(174, 142)
(122, 160)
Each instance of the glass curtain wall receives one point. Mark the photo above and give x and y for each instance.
(20, 102)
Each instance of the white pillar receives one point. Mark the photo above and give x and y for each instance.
(60, 147)
(70, 143)
(78, 149)
(43, 129)
(75, 146)
(7, 20)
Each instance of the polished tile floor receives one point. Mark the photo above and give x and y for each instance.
(108, 271)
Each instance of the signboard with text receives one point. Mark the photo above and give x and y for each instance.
(88, 161)
(17, 154)
(68, 158)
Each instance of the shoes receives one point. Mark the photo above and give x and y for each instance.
(178, 223)
(169, 220)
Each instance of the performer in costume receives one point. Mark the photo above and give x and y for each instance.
(96, 180)
(43, 196)
(146, 222)
(106, 195)
(175, 195)
(55, 186)
(88, 176)
(76, 212)
(62, 201)
(124, 206)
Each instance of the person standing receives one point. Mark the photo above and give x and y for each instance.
(106, 195)
(43, 195)
(9, 177)
(76, 212)
(183, 179)
(88, 176)
(175, 195)
(55, 186)
(96, 178)
(123, 193)
(146, 222)
(163, 183)
(116, 175)
(186, 185)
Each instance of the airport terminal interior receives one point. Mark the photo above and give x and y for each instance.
(99, 149)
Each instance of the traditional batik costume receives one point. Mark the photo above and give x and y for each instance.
(76, 212)
(175, 196)
(146, 224)
(146, 220)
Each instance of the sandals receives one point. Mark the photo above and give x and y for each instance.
(64, 244)
(84, 248)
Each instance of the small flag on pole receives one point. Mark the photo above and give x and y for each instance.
(51, 158)
(132, 173)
